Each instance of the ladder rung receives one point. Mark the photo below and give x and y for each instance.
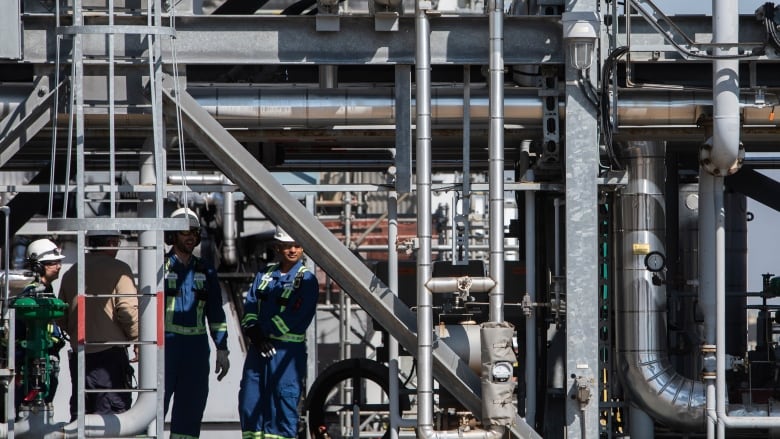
(103, 60)
(119, 390)
(111, 296)
(119, 343)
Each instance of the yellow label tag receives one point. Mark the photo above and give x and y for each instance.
(641, 248)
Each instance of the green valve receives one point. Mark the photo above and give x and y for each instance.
(39, 308)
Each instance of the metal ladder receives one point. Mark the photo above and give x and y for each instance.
(90, 62)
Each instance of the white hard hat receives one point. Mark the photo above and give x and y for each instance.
(184, 211)
(282, 236)
(95, 233)
(43, 250)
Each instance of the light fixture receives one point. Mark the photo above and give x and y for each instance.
(579, 34)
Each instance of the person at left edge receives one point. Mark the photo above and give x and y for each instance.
(192, 296)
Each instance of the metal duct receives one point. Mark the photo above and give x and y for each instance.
(641, 330)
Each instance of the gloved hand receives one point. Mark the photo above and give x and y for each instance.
(223, 364)
(261, 342)
(266, 348)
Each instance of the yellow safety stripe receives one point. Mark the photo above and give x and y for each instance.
(182, 436)
(280, 325)
(170, 306)
(252, 435)
(295, 338)
(267, 277)
(276, 436)
(216, 327)
(249, 317)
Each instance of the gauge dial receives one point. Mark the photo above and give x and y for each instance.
(655, 261)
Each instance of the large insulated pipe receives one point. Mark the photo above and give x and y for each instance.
(256, 108)
(641, 331)
(311, 108)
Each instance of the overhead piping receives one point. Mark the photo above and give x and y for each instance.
(250, 107)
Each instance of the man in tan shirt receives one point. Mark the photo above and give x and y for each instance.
(106, 319)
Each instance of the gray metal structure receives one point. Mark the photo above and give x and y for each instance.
(598, 142)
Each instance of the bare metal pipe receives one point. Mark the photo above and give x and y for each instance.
(496, 160)
(530, 319)
(450, 284)
(425, 426)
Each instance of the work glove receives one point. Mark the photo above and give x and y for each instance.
(260, 341)
(223, 364)
(266, 348)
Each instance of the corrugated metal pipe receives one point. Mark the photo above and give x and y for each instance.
(654, 385)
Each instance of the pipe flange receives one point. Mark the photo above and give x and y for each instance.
(705, 160)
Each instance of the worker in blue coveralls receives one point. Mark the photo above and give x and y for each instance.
(192, 296)
(278, 309)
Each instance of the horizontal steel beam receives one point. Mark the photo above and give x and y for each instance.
(264, 39)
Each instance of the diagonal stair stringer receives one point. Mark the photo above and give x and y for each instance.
(330, 254)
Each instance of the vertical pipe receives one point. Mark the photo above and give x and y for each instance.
(392, 283)
(707, 286)
(424, 270)
(345, 304)
(10, 396)
(530, 319)
(150, 256)
(229, 235)
(496, 159)
(725, 87)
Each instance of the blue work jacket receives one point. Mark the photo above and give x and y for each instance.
(283, 305)
(192, 295)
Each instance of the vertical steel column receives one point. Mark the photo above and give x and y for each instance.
(581, 169)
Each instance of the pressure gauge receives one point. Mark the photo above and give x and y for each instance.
(655, 261)
(502, 372)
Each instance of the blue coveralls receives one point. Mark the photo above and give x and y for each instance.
(283, 306)
(192, 295)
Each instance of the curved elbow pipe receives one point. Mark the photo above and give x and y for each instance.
(724, 156)
(654, 385)
(131, 422)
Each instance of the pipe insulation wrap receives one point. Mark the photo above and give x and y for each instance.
(497, 387)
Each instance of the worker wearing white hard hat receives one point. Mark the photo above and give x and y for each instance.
(193, 296)
(275, 363)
